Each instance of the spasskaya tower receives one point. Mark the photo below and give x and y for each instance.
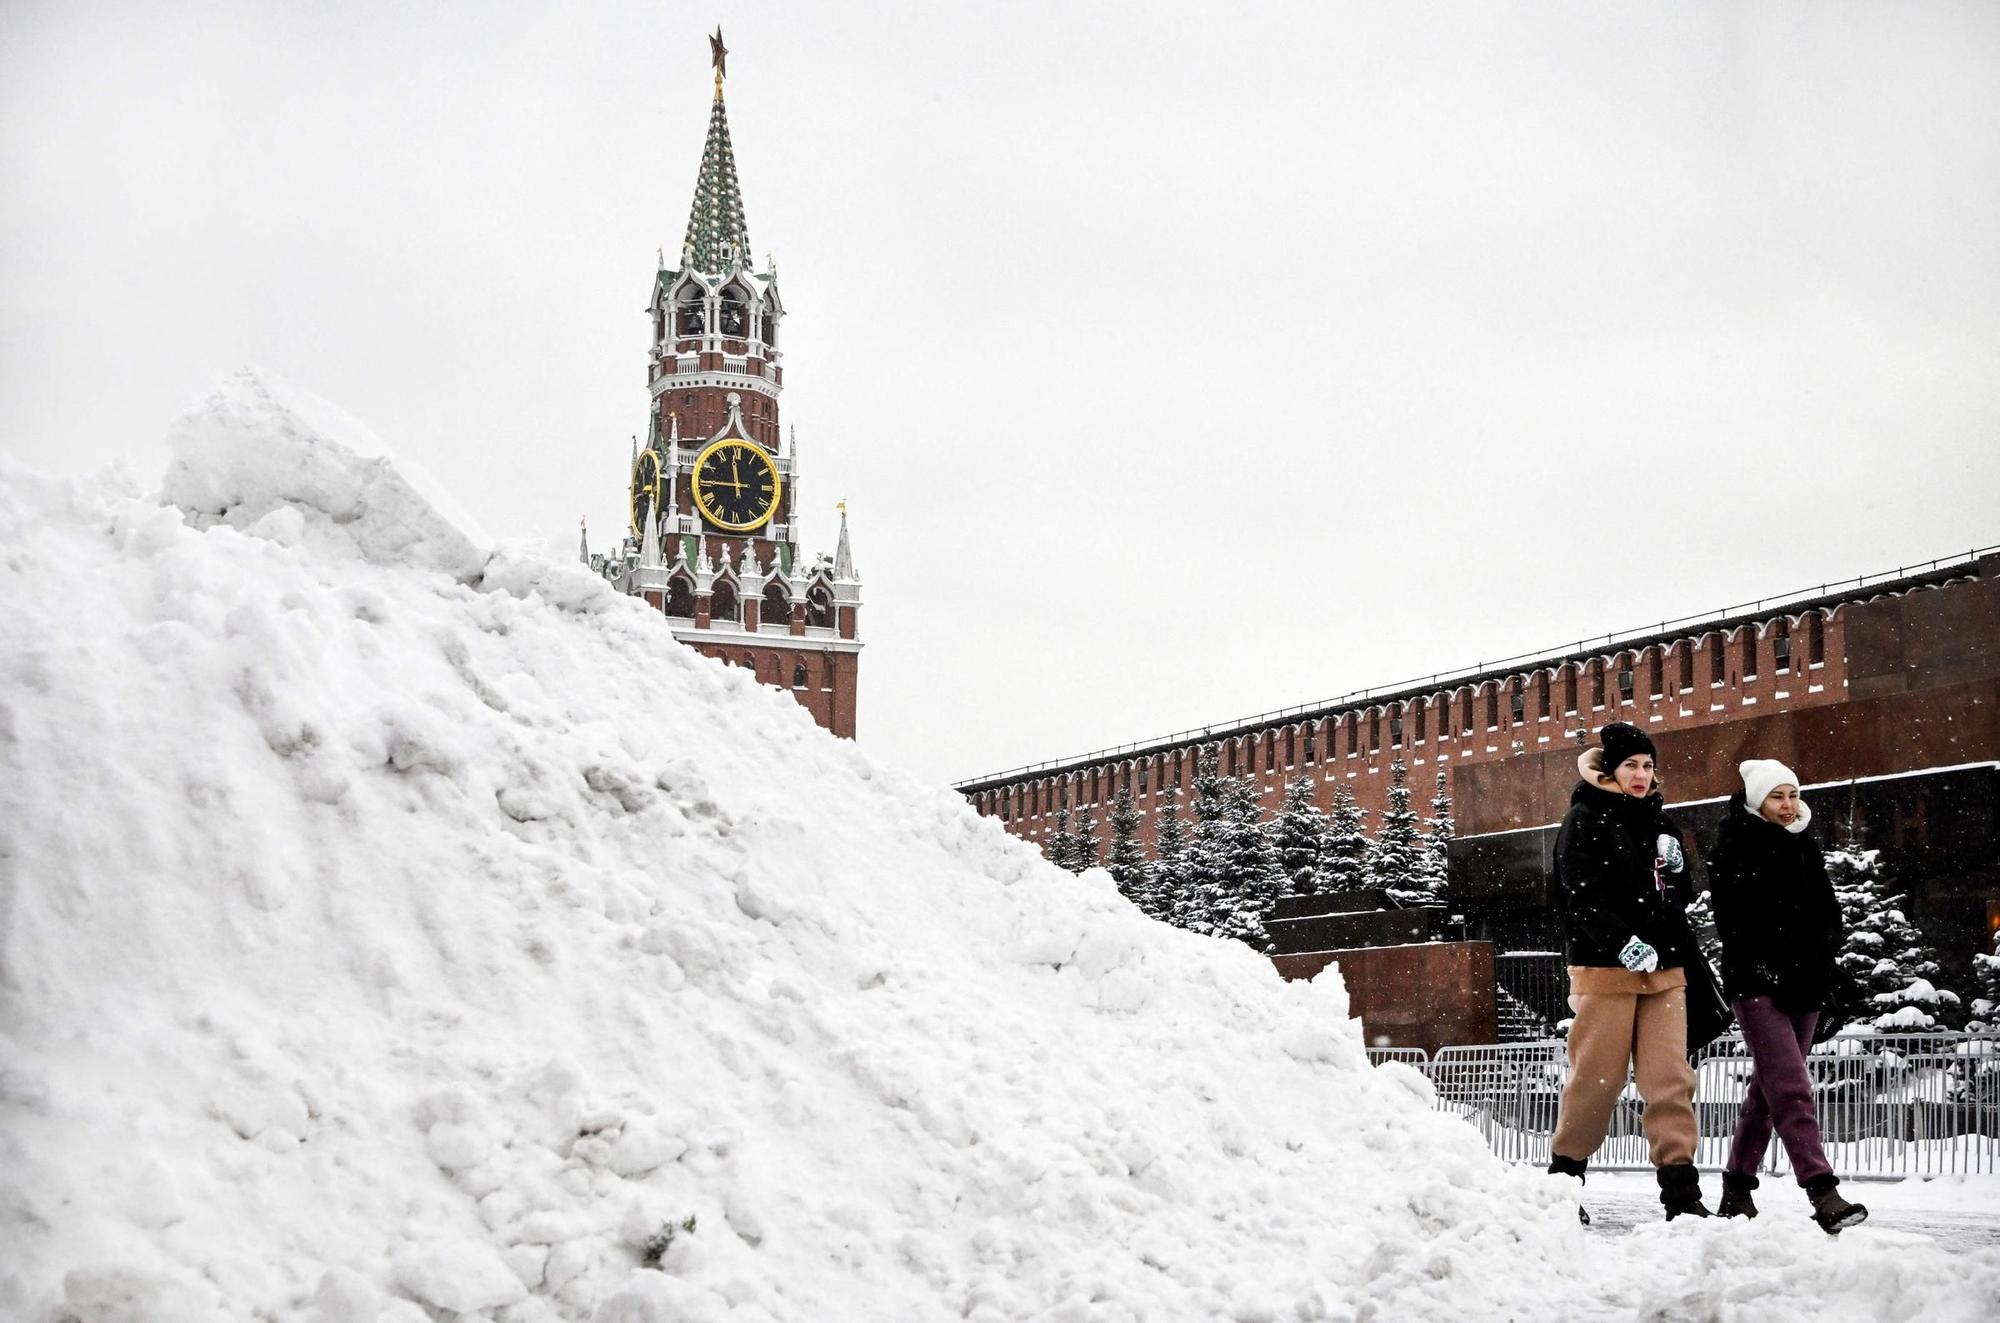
(714, 492)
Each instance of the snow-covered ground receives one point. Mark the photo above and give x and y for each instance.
(397, 927)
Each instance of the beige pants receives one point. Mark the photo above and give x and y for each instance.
(1614, 1031)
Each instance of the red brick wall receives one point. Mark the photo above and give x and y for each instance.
(832, 680)
(1907, 681)
(1432, 995)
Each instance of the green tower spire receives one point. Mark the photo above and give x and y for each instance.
(717, 237)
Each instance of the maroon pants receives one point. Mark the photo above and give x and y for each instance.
(1779, 1093)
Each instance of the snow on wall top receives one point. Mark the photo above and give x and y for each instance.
(380, 947)
(260, 444)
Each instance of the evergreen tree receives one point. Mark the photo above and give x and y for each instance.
(1238, 875)
(1395, 859)
(1986, 988)
(1061, 847)
(1167, 875)
(1346, 861)
(1196, 905)
(1891, 964)
(1438, 829)
(1127, 864)
(1299, 834)
(1084, 845)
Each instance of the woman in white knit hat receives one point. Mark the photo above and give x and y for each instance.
(1780, 927)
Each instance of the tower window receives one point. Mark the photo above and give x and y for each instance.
(722, 603)
(799, 678)
(680, 598)
(735, 313)
(693, 319)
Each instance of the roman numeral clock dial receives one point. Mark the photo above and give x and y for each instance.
(736, 486)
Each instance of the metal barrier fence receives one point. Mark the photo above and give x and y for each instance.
(1414, 1055)
(1889, 1104)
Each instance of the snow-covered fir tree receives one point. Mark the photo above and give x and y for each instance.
(1893, 967)
(1396, 857)
(1346, 861)
(1237, 872)
(1127, 862)
(1207, 792)
(1986, 987)
(1061, 847)
(1299, 834)
(1437, 843)
(1167, 874)
(1084, 845)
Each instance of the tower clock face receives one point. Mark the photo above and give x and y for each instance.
(736, 486)
(645, 491)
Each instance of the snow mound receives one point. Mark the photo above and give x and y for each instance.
(394, 931)
(262, 449)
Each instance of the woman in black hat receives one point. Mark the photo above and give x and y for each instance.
(1618, 874)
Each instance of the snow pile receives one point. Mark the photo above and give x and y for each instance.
(397, 929)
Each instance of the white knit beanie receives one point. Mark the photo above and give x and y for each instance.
(1760, 777)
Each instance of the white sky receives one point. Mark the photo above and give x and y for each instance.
(1176, 363)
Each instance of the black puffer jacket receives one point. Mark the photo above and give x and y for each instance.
(1605, 880)
(1774, 910)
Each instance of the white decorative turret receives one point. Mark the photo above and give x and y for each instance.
(843, 556)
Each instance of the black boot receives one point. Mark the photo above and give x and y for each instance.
(1736, 1200)
(1680, 1191)
(1833, 1213)
(1562, 1166)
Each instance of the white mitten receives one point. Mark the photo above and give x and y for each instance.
(1639, 957)
(1668, 851)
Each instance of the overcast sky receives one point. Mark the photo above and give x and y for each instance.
(1176, 361)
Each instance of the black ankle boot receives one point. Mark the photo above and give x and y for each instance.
(1736, 1200)
(1680, 1191)
(1562, 1166)
(1833, 1212)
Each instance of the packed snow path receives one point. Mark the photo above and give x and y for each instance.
(395, 927)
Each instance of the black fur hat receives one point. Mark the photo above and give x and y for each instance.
(1621, 740)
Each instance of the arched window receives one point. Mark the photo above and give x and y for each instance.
(799, 678)
(1517, 702)
(722, 602)
(1749, 652)
(1492, 705)
(1781, 645)
(1569, 688)
(680, 597)
(819, 607)
(735, 312)
(1396, 726)
(1626, 687)
(777, 607)
(1815, 639)
(1542, 695)
(693, 318)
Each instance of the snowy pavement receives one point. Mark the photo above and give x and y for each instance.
(1956, 1213)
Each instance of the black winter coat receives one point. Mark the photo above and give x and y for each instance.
(1775, 911)
(1605, 880)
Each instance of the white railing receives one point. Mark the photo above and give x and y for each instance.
(1889, 1104)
